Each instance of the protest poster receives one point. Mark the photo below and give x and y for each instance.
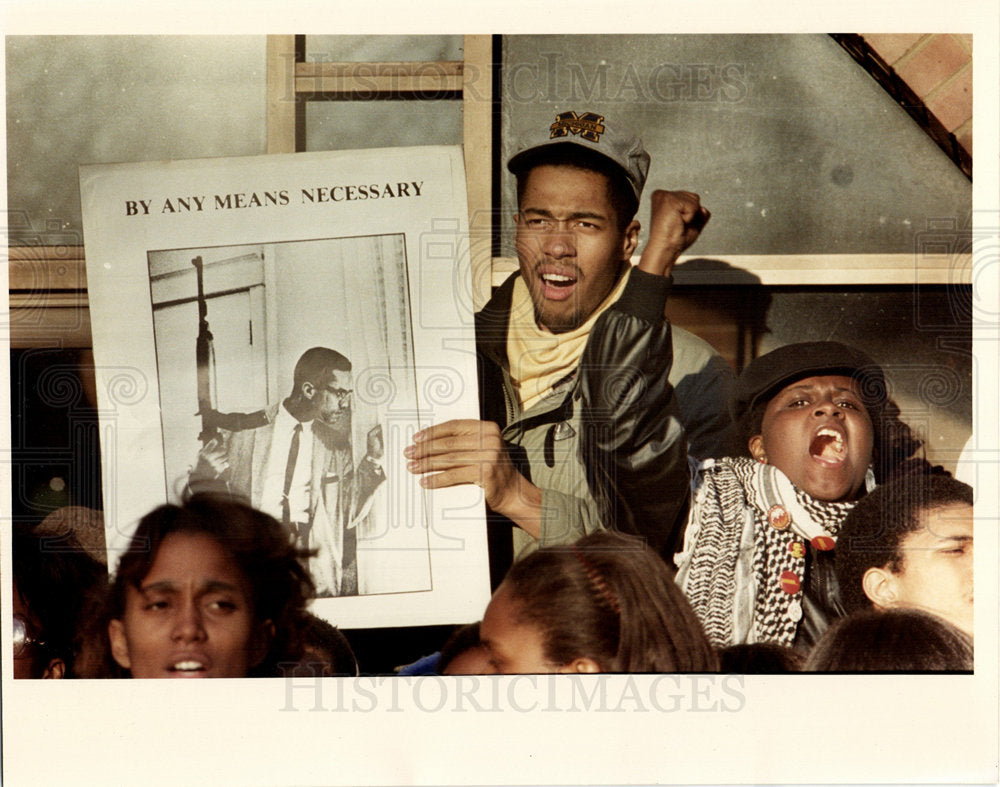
(216, 284)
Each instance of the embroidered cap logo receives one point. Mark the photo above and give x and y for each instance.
(588, 126)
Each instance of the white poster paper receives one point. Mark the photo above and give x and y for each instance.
(216, 285)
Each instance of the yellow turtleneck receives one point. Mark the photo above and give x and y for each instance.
(539, 358)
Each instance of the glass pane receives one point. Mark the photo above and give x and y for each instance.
(349, 125)
(336, 49)
(791, 144)
(75, 100)
(55, 454)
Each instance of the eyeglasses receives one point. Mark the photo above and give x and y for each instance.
(21, 638)
(343, 394)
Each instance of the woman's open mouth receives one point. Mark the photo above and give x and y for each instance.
(828, 445)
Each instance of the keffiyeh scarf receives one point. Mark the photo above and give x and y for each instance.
(785, 522)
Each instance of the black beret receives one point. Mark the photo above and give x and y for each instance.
(765, 376)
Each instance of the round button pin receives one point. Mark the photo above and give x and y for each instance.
(823, 543)
(778, 517)
(794, 611)
(790, 582)
(797, 548)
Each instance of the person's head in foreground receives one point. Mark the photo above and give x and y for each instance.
(605, 604)
(326, 653)
(909, 544)
(463, 653)
(53, 581)
(760, 658)
(895, 640)
(578, 186)
(208, 589)
(819, 412)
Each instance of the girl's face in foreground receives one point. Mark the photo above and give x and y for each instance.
(513, 646)
(817, 431)
(191, 617)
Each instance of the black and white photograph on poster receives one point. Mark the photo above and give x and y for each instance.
(264, 330)
(256, 351)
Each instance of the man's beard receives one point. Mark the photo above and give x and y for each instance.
(560, 323)
(558, 316)
(338, 422)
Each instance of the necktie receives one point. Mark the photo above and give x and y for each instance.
(293, 455)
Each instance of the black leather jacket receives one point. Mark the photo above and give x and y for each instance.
(606, 448)
(821, 603)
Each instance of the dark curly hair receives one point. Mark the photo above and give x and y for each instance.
(894, 640)
(610, 598)
(873, 531)
(760, 658)
(56, 580)
(280, 583)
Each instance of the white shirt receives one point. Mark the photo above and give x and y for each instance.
(274, 470)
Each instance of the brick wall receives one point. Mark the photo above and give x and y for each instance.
(938, 68)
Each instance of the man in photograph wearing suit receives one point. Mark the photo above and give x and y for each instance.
(295, 462)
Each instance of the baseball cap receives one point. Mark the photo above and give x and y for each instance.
(591, 131)
(765, 376)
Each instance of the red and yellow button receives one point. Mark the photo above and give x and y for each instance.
(823, 543)
(797, 548)
(790, 582)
